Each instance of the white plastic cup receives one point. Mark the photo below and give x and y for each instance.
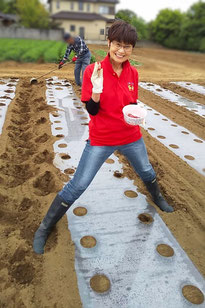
(134, 114)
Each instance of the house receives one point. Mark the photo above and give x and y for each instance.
(6, 20)
(89, 19)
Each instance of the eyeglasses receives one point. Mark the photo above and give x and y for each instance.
(118, 46)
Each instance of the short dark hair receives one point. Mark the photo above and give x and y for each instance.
(122, 31)
(66, 36)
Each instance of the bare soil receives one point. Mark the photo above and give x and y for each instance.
(29, 181)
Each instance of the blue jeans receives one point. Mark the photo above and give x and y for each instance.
(93, 158)
(81, 64)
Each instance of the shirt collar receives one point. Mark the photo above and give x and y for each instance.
(108, 64)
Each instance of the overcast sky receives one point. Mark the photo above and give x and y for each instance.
(148, 9)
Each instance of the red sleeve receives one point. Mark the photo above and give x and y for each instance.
(87, 84)
(136, 82)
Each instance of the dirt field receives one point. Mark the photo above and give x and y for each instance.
(29, 181)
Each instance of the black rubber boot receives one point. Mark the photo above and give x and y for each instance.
(157, 197)
(56, 211)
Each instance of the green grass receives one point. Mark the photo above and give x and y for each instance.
(135, 63)
(103, 54)
(25, 50)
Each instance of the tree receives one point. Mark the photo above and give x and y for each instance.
(141, 27)
(125, 15)
(165, 29)
(33, 14)
(193, 28)
(137, 22)
(8, 6)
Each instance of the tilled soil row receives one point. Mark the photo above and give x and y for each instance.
(29, 181)
(194, 96)
(178, 114)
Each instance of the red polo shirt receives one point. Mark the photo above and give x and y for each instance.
(108, 126)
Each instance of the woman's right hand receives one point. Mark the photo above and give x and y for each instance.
(97, 79)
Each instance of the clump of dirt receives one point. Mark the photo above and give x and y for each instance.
(45, 184)
(23, 273)
(42, 139)
(44, 156)
(42, 120)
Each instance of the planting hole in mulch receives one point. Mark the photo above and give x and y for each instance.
(65, 156)
(110, 161)
(55, 115)
(174, 146)
(80, 211)
(165, 250)
(62, 145)
(130, 194)
(80, 112)
(149, 109)
(84, 118)
(60, 136)
(100, 283)
(57, 121)
(156, 113)
(198, 140)
(184, 132)
(161, 137)
(118, 174)
(193, 294)
(189, 157)
(165, 119)
(59, 88)
(2, 104)
(159, 90)
(151, 128)
(69, 171)
(146, 218)
(174, 125)
(88, 241)
(58, 128)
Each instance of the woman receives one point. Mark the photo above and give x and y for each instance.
(107, 88)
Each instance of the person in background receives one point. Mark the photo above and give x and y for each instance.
(107, 88)
(81, 59)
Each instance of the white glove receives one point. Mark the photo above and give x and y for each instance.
(97, 79)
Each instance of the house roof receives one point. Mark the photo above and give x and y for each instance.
(95, 1)
(78, 16)
(8, 17)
